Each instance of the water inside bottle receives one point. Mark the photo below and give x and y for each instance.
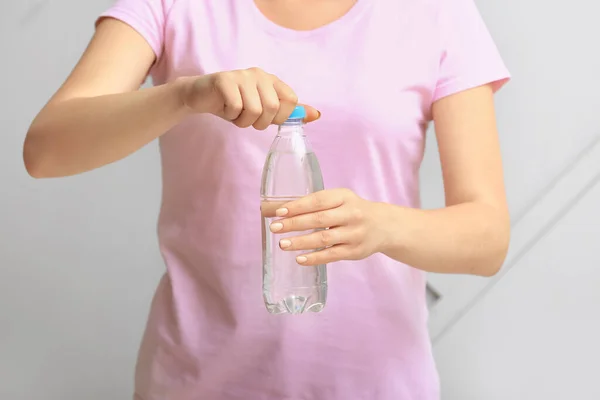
(289, 287)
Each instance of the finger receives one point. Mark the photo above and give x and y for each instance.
(305, 222)
(316, 240)
(312, 114)
(317, 201)
(252, 108)
(232, 99)
(270, 105)
(326, 256)
(287, 102)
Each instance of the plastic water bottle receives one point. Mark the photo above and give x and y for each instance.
(291, 171)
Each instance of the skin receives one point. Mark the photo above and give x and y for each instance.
(99, 116)
(304, 15)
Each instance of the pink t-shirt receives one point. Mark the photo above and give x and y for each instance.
(373, 74)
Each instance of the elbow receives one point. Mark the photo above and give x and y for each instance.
(31, 161)
(493, 266)
(34, 156)
(497, 244)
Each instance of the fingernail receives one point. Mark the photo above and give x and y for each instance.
(281, 212)
(318, 115)
(285, 243)
(301, 259)
(276, 227)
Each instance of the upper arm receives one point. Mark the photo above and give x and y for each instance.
(129, 38)
(469, 148)
(471, 70)
(117, 60)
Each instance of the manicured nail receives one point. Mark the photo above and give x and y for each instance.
(285, 243)
(281, 212)
(318, 115)
(301, 259)
(276, 227)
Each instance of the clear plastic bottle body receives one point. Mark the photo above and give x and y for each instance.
(291, 171)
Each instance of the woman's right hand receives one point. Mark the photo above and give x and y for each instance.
(248, 97)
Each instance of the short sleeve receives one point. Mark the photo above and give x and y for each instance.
(469, 57)
(147, 17)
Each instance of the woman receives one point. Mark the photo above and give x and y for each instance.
(372, 74)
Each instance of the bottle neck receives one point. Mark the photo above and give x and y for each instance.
(291, 127)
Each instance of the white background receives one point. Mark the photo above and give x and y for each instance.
(79, 259)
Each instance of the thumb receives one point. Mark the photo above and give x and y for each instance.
(312, 114)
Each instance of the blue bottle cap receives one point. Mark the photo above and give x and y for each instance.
(298, 113)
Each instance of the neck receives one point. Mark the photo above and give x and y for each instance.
(291, 127)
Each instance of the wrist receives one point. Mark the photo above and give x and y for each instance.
(393, 224)
(182, 88)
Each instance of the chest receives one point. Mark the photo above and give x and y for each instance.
(371, 70)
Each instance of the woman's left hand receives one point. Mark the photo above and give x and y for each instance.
(351, 228)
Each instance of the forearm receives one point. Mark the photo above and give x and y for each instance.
(80, 134)
(469, 238)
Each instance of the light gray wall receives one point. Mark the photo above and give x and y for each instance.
(79, 260)
(535, 334)
(532, 332)
(78, 256)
